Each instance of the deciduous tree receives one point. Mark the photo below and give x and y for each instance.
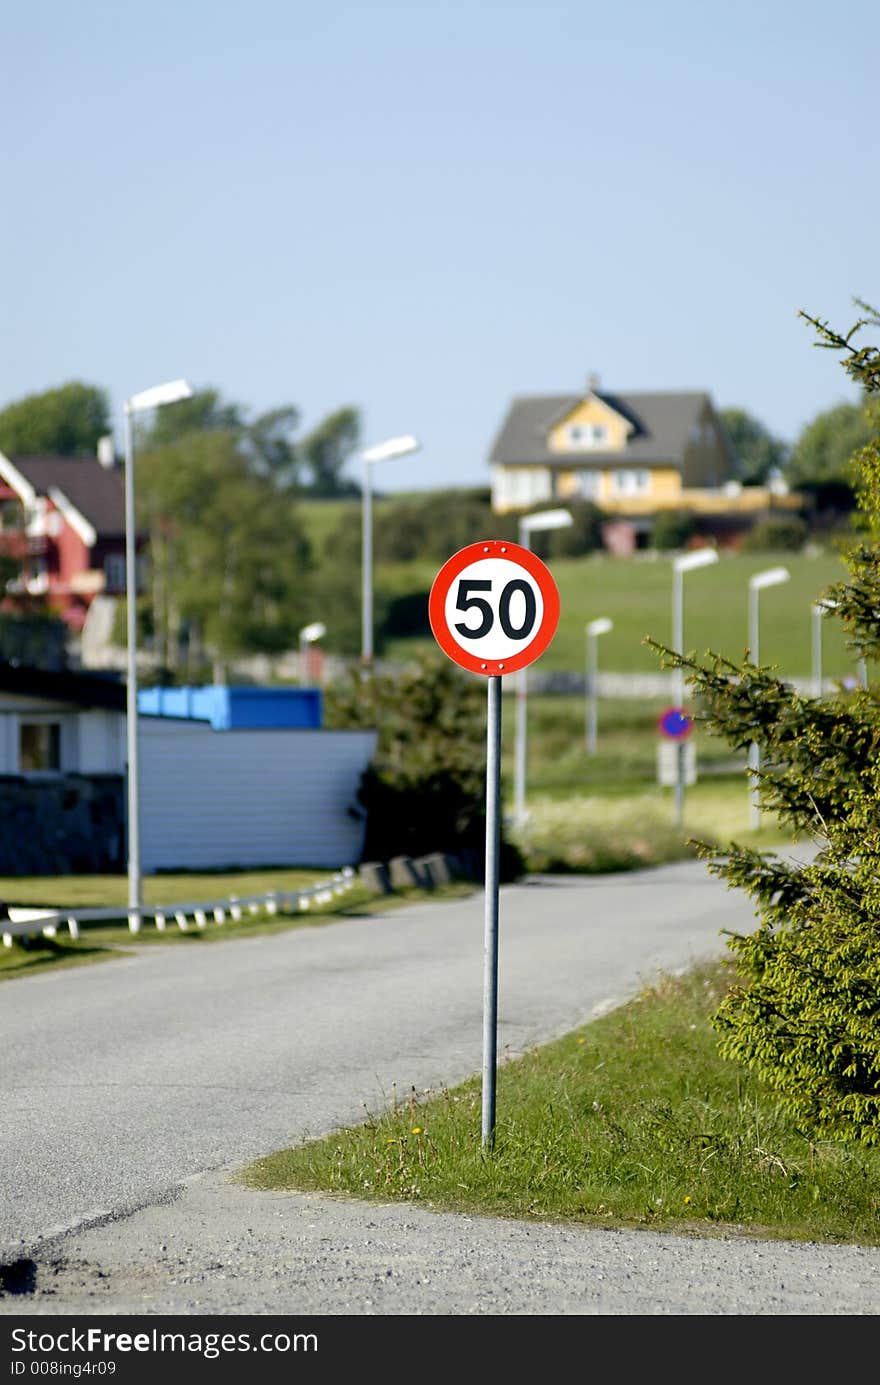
(62, 422)
(759, 452)
(228, 557)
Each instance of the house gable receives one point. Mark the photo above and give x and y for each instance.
(17, 482)
(592, 425)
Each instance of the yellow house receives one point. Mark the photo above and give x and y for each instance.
(633, 455)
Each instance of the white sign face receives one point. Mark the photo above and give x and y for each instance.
(667, 762)
(494, 607)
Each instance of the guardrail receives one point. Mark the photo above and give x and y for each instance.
(30, 923)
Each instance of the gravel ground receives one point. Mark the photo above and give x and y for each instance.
(216, 1248)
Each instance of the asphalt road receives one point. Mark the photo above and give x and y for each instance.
(131, 1089)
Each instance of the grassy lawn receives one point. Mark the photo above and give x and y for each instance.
(636, 594)
(608, 811)
(102, 891)
(631, 1121)
(102, 941)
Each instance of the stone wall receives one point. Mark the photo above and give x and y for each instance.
(62, 825)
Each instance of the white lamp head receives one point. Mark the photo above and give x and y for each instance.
(169, 393)
(771, 577)
(394, 447)
(315, 631)
(601, 626)
(546, 519)
(700, 557)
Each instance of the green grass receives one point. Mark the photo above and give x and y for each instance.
(320, 518)
(608, 812)
(631, 1121)
(103, 891)
(636, 594)
(103, 940)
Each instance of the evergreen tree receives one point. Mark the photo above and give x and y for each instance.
(804, 1013)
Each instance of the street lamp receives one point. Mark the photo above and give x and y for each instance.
(153, 398)
(817, 610)
(770, 577)
(594, 628)
(308, 635)
(528, 524)
(382, 452)
(685, 562)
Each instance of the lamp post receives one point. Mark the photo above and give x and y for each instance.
(153, 398)
(817, 610)
(594, 628)
(528, 524)
(308, 635)
(383, 451)
(685, 562)
(770, 577)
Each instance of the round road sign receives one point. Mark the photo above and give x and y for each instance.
(494, 607)
(675, 724)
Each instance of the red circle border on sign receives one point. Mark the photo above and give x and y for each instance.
(474, 552)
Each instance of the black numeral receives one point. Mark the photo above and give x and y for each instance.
(518, 585)
(465, 602)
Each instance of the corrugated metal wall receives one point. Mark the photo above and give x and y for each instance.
(216, 799)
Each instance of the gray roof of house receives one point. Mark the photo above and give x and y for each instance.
(97, 491)
(662, 423)
(82, 689)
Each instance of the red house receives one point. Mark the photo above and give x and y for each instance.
(63, 518)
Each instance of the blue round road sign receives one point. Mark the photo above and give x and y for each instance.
(675, 723)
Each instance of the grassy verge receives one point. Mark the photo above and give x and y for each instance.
(103, 941)
(631, 1121)
(103, 891)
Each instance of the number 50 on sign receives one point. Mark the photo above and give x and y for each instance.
(494, 607)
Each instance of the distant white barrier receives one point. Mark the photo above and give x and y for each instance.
(29, 923)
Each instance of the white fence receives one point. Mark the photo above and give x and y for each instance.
(30, 923)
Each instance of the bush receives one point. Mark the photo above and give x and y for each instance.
(778, 533)
(589, 835)
(672, 529)
(583, 535)
(425, 789)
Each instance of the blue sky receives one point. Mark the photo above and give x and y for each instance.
(425, 209)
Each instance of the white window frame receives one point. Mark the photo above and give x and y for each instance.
(582, 437)
(633, 481)
(39, 720)
(114, 572)
(520, 488)
(587, 485)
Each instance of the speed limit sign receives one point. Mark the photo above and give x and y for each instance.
(494, 607)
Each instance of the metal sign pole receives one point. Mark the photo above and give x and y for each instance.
(493, 608)
(490, 935)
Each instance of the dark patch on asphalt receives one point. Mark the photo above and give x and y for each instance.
(18, 1277)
